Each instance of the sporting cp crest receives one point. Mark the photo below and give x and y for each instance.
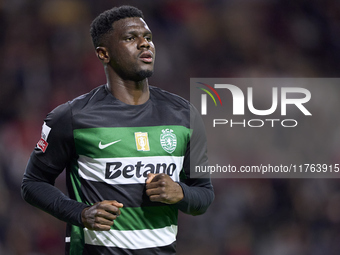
(168, 140)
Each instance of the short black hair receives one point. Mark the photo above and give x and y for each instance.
(102, 24)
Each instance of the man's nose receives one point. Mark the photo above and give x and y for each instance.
(143, 43)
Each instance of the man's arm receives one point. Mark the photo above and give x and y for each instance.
(191, 195)
(49, 158)
(38, 190)
(198, 195)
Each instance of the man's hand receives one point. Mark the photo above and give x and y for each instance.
(101, 215)
(161, 188)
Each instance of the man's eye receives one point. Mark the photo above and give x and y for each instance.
(148, 37)
(129, 39)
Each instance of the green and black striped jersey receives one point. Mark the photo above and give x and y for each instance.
(108, 148)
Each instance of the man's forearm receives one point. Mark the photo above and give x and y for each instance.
(196, 199)
(51, 200)
(38, 190)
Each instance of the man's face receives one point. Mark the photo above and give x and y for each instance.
(131, 50)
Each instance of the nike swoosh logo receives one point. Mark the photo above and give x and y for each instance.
(103, 146)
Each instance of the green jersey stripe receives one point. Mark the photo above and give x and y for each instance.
(132, 239)
(137, 218)
(111, 142)
(77, 234)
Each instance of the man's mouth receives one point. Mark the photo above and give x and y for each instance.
(146, 56)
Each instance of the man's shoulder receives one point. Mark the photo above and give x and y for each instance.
(88, 98)
(168, 97)
(78, 103)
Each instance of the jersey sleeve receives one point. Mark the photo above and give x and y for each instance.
(56, 145)
(198, 192)
(51, 155)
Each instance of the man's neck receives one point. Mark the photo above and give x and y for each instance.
(130, 92)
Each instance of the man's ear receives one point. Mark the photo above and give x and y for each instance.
(103, 54)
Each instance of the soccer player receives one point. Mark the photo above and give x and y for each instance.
(125, 147)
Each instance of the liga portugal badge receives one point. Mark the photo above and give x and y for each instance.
(42, 144)
(168, 140)
(142, 141)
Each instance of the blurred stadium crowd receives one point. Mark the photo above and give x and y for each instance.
(48, 58)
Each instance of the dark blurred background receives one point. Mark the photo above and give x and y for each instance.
(47, 58)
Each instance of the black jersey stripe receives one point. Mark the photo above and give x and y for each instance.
(101, 250)
(89, 113)
(99, 191)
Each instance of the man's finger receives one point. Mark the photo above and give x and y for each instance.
(152, 185)
(100, 227)
(155, 191)
(111, 202)
(107, 215)
(110, 208)
(150, 177)
(155, 198)
(117, 204)
(104, 220)
(159, 198)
